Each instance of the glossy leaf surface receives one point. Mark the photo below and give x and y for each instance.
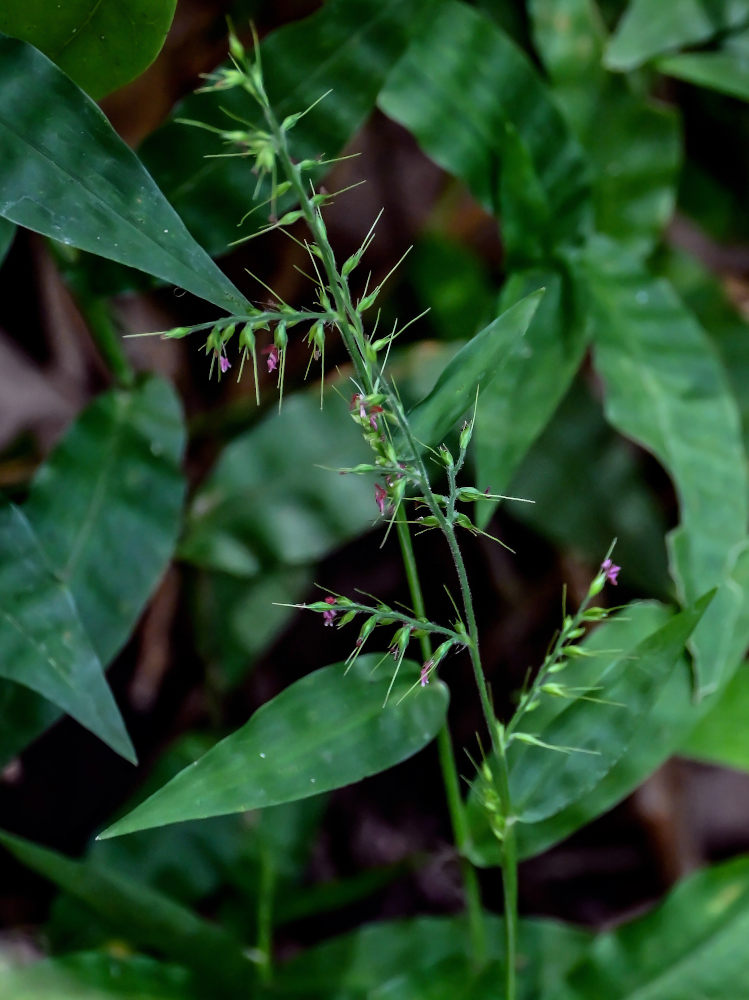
(110, 495)
(692, 945)
(65, 173)
(345, 48)
(665, 388)
(275, 497)
(647, 30)
(144, 916)
(463, 69)
(720, 736)
(100, 46)
(474, 366)
(515, 405)
(323, 732)
(633, 143)
(43, 644)
(96, 975)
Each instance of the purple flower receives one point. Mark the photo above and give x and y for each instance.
(272, 352)
(224, 363)
(329, 616)
(373, 414)
(425, 671)
(380, 497)
(611, 570)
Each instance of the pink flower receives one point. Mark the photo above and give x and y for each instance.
(373, 414)
(425, 671)
(224, 364)
(611, 570)
(329, 616)
(272, 352)
(380, 497)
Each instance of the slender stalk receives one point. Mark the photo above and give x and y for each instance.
(264, 947)
(99, 320)
(450, 779)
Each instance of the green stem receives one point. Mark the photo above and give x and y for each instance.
(450, 778)
(265, 916)
(98, 318)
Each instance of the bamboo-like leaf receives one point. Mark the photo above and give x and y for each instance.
(691, 945)
(633, 143)
(647, 30)
(464, 70)
(720, 735)
(594, 734)
(515, 405)
(65, 173)
(100, 46)
(725, 70)
(43, 644)
(323, 732)
(144, 916)
(110, 496)
(475, 365)
(665, 388)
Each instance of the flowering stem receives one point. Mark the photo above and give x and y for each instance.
(451, 781)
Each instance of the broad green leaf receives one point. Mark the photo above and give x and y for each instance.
(323, 732)
(580, 455)
(275, 497)
(106, 506)
(673, 715)
(593, 733)
(726, 70)
(65, 173)
(666, 388)
(692, 945)
(100, 46)
(474, 366)
(25, 714)
(515, 405)
(650, 29)
(463, 70)
(720, 736)
(345, 48)
(7, 233)
(633, 144)
(143, 916)
(378, 958)
(97, 975)
(704, 294)
(43, 644)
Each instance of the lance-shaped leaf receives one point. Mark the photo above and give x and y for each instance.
(66, 173)
(666, 388)
(725, 70)
(593, 733)
(517, 402)
(344, 50)
(464, 70)
(701, 931)
(97, 975)
(647, 29)
(43, 644)
(475, 365)
(145, 917)
(323, 732)
(106, 506)
(633, 144)
(720, 735)
(100, 46)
